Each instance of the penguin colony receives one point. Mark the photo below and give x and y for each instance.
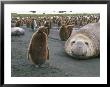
(38, 52)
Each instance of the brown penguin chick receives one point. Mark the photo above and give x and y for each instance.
(38, 51)
(47, 24)
(43, 29)
(59, 23)
(18, 23)
(28, 23)
(65, 32)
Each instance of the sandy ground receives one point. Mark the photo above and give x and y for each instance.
(60, 64)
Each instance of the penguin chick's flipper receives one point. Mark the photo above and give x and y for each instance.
(28, 55)
(29, 50)
(48, 54)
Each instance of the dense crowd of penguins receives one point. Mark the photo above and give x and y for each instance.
(61, 21)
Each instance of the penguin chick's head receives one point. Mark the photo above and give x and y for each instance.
(42, 29)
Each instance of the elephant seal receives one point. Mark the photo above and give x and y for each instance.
(38, 51)
(85, 42)
(17, 31)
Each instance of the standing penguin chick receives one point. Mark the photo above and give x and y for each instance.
(65, 32)
(38, 51)
(33, 24)
(47, 24)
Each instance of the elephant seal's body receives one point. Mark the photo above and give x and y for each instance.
(17, 31)
(84, 43)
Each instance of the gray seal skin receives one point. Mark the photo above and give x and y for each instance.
(17, 31)
(85, 42)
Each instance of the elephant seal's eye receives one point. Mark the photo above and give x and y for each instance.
(86, 43)
(72, 42)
